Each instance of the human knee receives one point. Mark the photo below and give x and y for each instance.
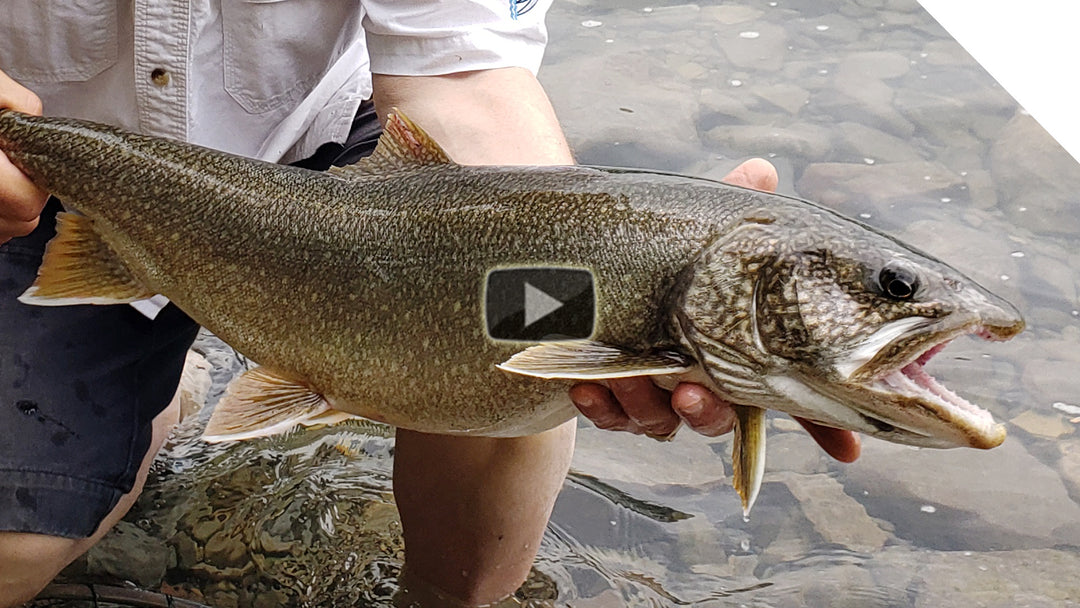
(28, 562)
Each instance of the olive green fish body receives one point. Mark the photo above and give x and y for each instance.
(362, 290)
(385, 276)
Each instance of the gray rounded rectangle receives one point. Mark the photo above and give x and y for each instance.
(539, 304)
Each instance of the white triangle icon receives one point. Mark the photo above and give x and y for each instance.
(538, 304)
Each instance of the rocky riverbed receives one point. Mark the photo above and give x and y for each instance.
(865, 105)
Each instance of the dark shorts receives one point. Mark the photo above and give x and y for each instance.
(81, 385)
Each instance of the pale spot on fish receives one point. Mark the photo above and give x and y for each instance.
(928, 509)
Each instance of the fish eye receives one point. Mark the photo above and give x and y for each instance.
(898, 282)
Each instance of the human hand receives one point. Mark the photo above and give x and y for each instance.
(637, 405)
(21, 201)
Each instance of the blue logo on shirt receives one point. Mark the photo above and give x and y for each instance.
(520, 7)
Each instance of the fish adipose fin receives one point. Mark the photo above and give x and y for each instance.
(262, 402)
(748, 454)
(402, 145)
(80, 268)
(588, 360)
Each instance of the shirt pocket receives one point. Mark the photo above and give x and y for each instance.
(276, 51)
(48, 41)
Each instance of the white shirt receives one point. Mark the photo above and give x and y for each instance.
(271, 79)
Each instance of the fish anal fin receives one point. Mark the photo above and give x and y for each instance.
(81, 268)
(262, 402)
(748, 454)
(589, 360)
(402, 145)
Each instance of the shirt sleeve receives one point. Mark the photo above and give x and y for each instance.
(433, 37)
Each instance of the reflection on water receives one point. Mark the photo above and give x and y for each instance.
(864, 105)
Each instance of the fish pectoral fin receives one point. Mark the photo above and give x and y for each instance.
(588, 360)
(81, 268)
(402, 145)
(748, 454)
(261, 402)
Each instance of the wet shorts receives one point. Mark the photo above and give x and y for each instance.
(81, 385)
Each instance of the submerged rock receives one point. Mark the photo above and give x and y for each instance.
(1043, 425)
(965, 499)
(840, 184)
(1033, 171)
(838, 518)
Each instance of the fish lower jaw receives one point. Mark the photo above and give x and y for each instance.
(913, 381)
(976, 425)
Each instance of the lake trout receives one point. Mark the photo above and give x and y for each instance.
(361, 291)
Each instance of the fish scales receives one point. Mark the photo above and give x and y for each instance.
(362, 290)
(254, 251)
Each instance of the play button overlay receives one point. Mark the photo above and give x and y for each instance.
(539, 304)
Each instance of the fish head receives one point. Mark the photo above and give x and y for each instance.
(804, 311)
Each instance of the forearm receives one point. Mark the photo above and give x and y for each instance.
(490, 117)
(474, 509)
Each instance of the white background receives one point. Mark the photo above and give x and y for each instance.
(1032, 48)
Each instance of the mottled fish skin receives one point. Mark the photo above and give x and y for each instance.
(372, 289)
(369, 288)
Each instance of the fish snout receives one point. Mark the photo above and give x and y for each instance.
(999, 320)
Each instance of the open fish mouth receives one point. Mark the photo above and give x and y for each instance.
(922, 410)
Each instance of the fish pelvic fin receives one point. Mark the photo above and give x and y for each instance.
(402, 145)
(589, 360)
(81, 268)
(262, 402)
(748, 454)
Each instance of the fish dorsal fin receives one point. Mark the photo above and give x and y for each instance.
(748, 454)
(402, 145)
(81, 268)
(588, 360)
(262, 402)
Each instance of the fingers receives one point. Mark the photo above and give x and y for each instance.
(647, 405)
(20, 200)
(14, 96)
(844, 446)
(634, 405)
(702, 410)
(596, 403)
(756, 173)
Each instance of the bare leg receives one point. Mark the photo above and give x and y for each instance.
(28, 562)
(474, 509)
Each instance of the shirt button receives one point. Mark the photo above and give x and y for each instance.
(160, 77)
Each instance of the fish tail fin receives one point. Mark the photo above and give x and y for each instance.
(81, 268)
(748, 454)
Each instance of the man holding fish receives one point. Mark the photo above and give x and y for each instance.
(86, 392)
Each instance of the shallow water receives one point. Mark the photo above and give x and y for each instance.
(867, 106)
